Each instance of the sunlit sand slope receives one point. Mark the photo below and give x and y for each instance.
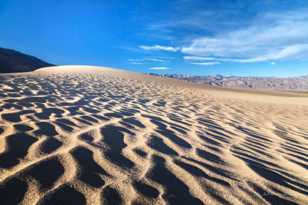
(85, 135)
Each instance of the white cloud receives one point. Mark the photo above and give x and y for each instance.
(159, 48)
(268, 38)
(206, 63)
(159, 68)
(135, 61)
(198, 58)
(203, 61)
(138, 61)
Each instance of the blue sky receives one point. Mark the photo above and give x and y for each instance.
(200, 37)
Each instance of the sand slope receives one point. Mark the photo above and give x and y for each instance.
(100, 136)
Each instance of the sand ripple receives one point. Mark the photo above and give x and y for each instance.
(115, 138)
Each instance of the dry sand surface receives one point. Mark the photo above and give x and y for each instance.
(86, 135)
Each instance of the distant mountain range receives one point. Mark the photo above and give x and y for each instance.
(262, 83)
(12, 61)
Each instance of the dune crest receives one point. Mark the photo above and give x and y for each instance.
(73, 68)
(89, 135)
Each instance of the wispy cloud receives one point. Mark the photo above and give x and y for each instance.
(159, 48)
(198, 58)
(203, 61)
(190, 18)
(159, 68)
(290, 52)
(138, 61)
(135, 61)
(211, 63)
(269, 38)
(206, 38)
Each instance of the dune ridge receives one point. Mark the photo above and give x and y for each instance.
(87, 135)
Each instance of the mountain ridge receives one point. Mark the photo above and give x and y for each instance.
(12, 61)
(299, 83)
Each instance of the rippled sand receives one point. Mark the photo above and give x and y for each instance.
(99, 136)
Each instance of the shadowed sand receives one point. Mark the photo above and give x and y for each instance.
(87, 135)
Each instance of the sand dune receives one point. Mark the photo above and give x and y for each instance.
(86, 135)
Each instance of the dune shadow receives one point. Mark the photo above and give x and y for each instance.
(177, 192)
(64, 195)
(17, 148)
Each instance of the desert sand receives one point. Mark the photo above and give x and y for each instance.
(87, 135)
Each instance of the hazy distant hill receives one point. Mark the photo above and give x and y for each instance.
(13, 61)
(272, 83)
